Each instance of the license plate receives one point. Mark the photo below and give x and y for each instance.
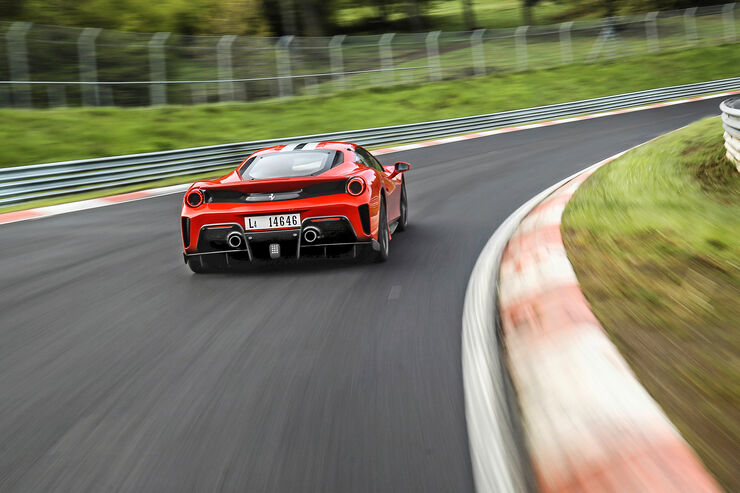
(278, 221)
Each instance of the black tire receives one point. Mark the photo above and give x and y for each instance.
(403, 221)
(383, 235)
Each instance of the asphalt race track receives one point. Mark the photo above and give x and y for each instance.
(120, 370)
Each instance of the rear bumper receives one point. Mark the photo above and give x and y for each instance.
(328, 234)
(214, 215)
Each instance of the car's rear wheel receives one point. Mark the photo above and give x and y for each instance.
(381, 255)
(404, 219)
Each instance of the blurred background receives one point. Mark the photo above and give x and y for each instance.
(112, 53)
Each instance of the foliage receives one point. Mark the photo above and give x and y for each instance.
(654, 238)
(178, 16)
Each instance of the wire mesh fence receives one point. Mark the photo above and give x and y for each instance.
(51, 66)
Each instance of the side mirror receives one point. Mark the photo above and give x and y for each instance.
(399, 167)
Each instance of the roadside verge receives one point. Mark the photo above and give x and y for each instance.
(587, 424)
(654, 239)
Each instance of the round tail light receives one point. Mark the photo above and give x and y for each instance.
(194, 198)
(355, 186)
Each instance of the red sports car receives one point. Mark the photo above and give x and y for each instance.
(293, 201)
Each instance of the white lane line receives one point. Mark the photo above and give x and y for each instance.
(395, 292)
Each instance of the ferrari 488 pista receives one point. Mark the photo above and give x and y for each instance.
(316, 199)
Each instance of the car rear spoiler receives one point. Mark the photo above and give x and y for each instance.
(269, 186)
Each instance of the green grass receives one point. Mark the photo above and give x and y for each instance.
(654, 238)
(36, 136)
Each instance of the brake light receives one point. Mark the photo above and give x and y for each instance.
(355, 186)
(194, 198)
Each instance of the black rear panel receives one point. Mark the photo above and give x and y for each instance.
(237, 197)
(364, 211)
(186, 231)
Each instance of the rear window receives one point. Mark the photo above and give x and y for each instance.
(288, 164)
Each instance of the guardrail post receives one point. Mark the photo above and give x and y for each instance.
(157, 69)
(607, 40)
(336, 58)
(521, 47)
(225, 67)
(435, 66)
(282, 57)
(651, 31)
(386, 56)
(611, 38)
(728, 16)
(18, 62)
(479, 56)
(566, 50)
(88, 66)
(689, 20)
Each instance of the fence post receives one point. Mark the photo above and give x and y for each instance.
(728, 16)
(566, 51)
(282, 57)
(88, 66)
(435, 66)
(157, 69)
(651, 30)
(225, 67)
(689, 18)
(521, 47)
(18, 62)
(336, 58)
(386, 56)
(479, 56)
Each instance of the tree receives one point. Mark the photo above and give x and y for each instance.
(468, 14)
(527, 11)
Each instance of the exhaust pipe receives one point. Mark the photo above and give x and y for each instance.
(311, 234)
(234, 239)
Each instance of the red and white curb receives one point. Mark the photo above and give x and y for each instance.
(11, 217)
(588, 423)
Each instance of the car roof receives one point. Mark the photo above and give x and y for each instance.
(297, 146)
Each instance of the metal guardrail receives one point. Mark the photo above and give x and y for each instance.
(24, 183)
(731, 123)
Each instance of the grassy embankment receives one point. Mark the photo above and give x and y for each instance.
(654, 238)
(37, 136)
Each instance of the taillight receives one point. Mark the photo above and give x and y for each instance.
(355, 186)
(194, 198)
